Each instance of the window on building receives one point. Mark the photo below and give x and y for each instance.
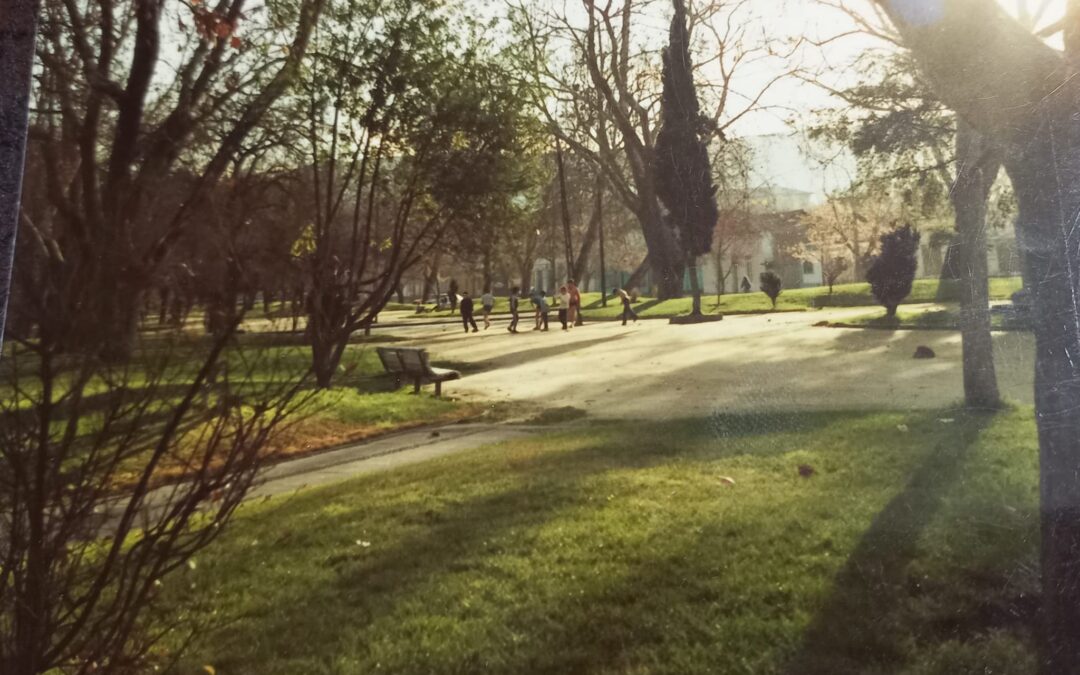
(807, 267)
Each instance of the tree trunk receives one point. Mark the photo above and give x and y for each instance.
(1046, 175)
(327, 314)
(17, 46)
(638, 274)
(163, 305)
(111, 325)
(720, 276)
(978, 163)
(695, 287)
(952, 272)
(666, 260)
(431, 280)
(489, 272)
(592, 231)
(1009, 85)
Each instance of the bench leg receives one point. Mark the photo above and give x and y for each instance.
(416, 386)
(438, 389)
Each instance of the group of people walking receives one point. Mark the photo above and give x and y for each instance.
(568, 302)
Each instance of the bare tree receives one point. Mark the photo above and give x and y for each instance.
(404, 143)
(113, 477)
(114, 123)
(604, 101)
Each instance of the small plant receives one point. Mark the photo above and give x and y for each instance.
(832, 269)
(892, 271)
(771, 285)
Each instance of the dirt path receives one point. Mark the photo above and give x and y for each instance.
(776, 362)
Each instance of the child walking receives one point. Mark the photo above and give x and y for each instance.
(514, 301)
(487, 303)
(627, 311)
(564, 306)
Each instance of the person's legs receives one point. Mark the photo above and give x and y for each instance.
(465, 320)
(544, 320)
(473, 322)
(562, 318)
(487, 318)
(513, 322)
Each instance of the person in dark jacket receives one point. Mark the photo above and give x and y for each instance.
(466, 308)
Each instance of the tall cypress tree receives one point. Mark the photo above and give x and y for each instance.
(681, 160)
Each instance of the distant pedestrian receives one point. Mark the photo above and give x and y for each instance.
(575, 304)
(487, 303)
(627, 311)
(536, 296)
(466, 308)
(745, 285)
(514, 301)
(564, 306)
(544, 308)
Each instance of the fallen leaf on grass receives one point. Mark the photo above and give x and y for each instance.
(805, 470)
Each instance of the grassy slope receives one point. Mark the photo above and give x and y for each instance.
(844, 295)
(362, 403)
(930, 318)
(620, 549)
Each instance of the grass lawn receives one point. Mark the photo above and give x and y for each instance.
(796, 299)
(937, 318)
(362, 404)
(623, 549)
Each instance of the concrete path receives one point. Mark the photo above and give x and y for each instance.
(743, 363)
(654, 370)
(382, 454)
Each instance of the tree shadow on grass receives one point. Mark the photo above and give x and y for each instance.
(862, 626)
(453, 537)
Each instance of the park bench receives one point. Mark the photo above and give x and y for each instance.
(412, 363)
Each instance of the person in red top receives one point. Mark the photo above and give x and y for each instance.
(574, 317)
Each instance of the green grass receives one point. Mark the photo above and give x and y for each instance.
(796, 299)
(363, 402)
(947, 318)
(621, 549)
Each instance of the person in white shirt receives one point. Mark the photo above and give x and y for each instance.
(487, 302)
(564, 306)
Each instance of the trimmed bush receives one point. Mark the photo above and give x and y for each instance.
(771, 285)
(893, 270)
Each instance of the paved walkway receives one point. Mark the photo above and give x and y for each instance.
(654, 370)
(382, 454)
(775, 362)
